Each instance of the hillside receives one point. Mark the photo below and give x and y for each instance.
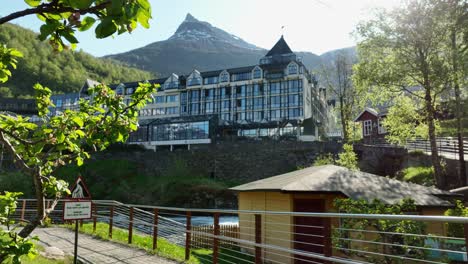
(62, 72)
(198, 44)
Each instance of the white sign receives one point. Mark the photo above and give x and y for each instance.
(77, 210)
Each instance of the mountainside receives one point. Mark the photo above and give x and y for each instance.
(62, 72)
(198, 44)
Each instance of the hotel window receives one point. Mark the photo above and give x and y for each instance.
(210, 80)
(367, 126)
(258, 89)
(209, 94)
(241, 76)
(194, 96)
(257, 73)
(119, 90)
(129, 91)
(159, 111)
(194, 81)
(194, 108)
(225, 92)
(171, 110)
(258, 103)
(226, 117)
(240, 116)
(275, 114)
(292, 69)
(274, 88)
(172, 98)
(224, 77)
(241, 91)
(295, 112)
(160, 99)
(226, 105)
(258, 115)
(59, 103)
(295, 86)
(275, 101)
(209, 107)
(293, 100)
(240, 104)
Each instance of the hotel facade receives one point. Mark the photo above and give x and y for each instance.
(278, 98)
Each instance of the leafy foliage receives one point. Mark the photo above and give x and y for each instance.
(419, 175)
(397, 245)
(61, 19)
(404, 121)
(63, 72)
(324, 159)
(456, 230)
(12, 246)
(348, 158)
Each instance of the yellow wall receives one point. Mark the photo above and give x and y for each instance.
(278, 229)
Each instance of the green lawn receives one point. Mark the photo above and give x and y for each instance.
(419, 175)
(165, 248)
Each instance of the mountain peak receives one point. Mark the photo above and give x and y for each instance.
(190, 18)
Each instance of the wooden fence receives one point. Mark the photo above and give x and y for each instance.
(202, 240)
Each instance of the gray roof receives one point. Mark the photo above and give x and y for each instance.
(353, 184)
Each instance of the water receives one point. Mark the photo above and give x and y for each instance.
(208, 220)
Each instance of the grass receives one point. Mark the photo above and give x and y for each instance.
(165, 248)
(419, 175)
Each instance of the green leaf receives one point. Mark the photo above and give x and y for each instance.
(46, 30)
(80, 133)
(33, 3)
(77, 120)
(60, 137)
(106, 28)
(86, 23)
(69, 36)
(80, 4)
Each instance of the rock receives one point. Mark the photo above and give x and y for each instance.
(53, 253)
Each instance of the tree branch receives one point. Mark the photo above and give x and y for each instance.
(52, 8)
(13, 152)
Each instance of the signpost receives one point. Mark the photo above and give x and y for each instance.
(78, 207)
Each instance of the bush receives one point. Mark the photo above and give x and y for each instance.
(348, 158)
(419, 175)
(456, 230)
(324, 159)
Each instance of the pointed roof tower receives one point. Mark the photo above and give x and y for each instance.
(281, 47)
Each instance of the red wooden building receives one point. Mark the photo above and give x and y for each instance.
(372, 126)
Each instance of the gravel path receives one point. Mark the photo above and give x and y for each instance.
(94, 250)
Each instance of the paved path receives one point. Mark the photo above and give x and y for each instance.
(94, 250)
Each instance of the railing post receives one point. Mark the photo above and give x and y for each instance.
(327, 243)
(155, 229)
(130, 226)
(23, 209)
(188, 235)
(215, 239)
(258, 238)
(111, 220)
(465, 228)
(94, 218)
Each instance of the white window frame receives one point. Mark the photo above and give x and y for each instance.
(367, 127)
(381, 128)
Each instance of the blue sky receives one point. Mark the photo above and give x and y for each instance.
(310, 25)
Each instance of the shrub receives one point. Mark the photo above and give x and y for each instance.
(419, 175)
(324, 159)
(348, 158)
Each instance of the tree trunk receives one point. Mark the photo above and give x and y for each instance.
(459, 110)
(41, 212)
(343, 121)
(438, 170)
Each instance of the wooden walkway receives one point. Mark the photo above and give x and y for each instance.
(92, 250)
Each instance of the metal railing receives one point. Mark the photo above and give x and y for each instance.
(282, 236)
